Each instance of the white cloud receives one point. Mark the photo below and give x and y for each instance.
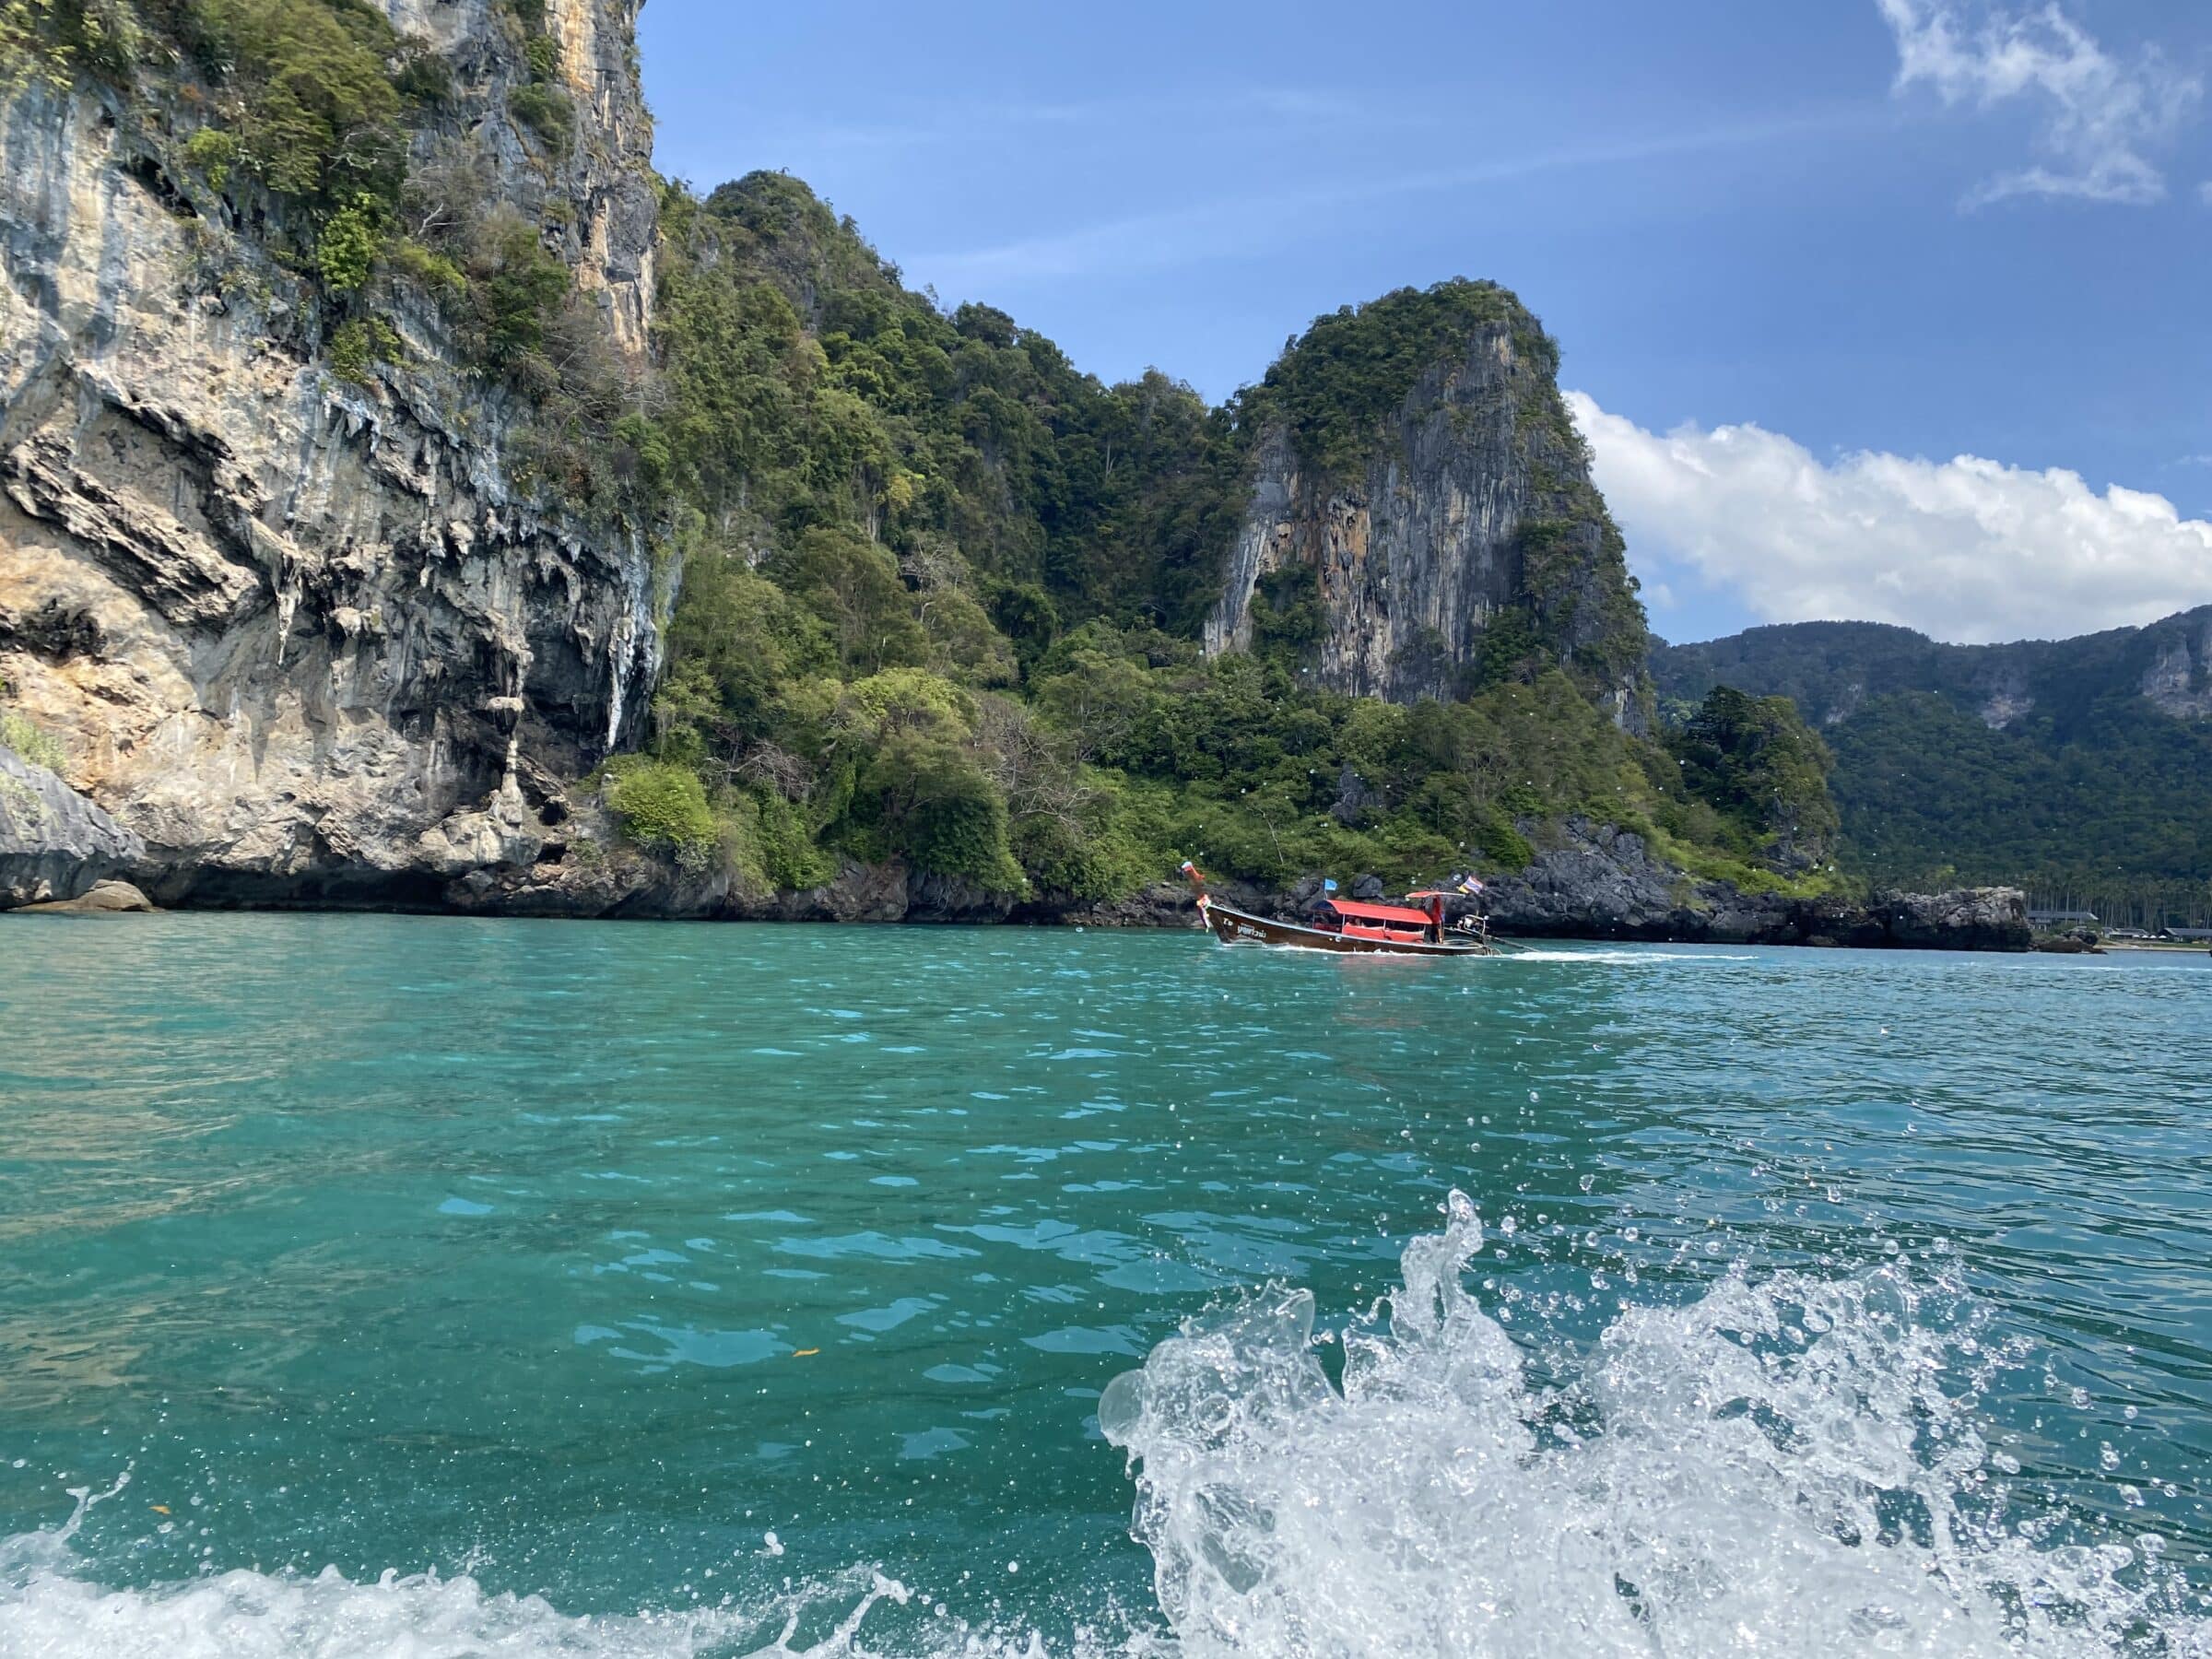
(1966, 550)
(2099, 114)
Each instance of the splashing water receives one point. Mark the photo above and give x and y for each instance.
(1793, 1466)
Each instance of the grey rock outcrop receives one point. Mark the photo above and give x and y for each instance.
(55, 843)
(305, 638)
(1603, 882)
(101, 899)
(2179, 680)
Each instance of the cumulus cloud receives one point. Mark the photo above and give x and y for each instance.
(2100, 114)
(1966, 550)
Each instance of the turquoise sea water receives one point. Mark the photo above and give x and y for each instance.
(691, 1278)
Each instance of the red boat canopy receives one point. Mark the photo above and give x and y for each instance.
(1390, 913)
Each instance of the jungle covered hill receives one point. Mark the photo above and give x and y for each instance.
(941, 594)
(2080, 769)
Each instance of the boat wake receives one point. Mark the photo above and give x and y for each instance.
(1794, 1465)
(1546, 953)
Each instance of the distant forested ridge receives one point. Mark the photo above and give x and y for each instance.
(2081, 769)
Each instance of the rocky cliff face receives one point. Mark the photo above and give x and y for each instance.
(54, 843)
(304, 636)
(596, 205)
(1470, 501)
(2179, 679)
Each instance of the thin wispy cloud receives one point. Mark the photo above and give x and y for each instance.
(1224, 226)
(1194, 110)
(2100, 118)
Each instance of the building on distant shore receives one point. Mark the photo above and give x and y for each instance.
(2187, 935)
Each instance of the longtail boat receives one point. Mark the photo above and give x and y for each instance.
(1350, 927)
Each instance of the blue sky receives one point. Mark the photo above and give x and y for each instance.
(1800, 258)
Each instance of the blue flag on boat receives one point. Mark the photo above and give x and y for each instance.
(1327, 886)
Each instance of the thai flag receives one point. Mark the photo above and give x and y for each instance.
(1467, 884)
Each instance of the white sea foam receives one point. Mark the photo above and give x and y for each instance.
(1788, 1467)
(50, 1611)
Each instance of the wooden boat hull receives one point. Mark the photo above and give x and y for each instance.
(1234, 927)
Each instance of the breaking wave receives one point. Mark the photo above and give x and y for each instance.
(1796, 1466)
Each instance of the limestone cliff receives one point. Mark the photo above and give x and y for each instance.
(1415, 471)
(303, 630)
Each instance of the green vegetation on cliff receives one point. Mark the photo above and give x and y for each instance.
(1763, 773)
(806, 386)
(1349, 373)
(310, 134)
(20, 733)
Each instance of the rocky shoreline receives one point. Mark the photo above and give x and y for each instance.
(1596, 882)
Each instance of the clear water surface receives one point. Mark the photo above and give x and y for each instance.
(670, 1288)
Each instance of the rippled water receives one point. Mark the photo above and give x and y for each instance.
(654, 1288)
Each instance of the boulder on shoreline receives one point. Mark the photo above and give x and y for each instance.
(102, 898)
(2082, 941)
